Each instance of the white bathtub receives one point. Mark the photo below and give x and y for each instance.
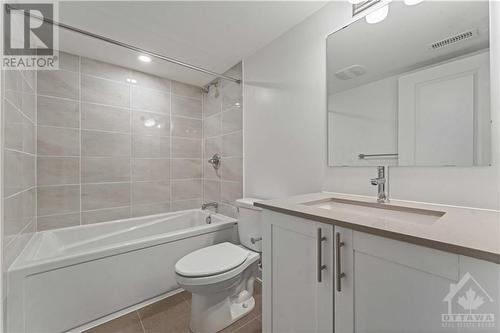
(71, 277)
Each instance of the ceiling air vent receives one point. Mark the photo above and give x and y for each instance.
(454, 39)
(350, 72)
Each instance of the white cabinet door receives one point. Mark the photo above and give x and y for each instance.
(295, 300)
(392, 286)
(477, 293)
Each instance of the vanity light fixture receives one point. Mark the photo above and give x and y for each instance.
(144, 58)
(412, 2)
(129, 80)
(378, 15)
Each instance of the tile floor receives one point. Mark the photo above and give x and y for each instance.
(171, 315)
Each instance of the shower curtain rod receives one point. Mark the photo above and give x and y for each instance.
(8, 7)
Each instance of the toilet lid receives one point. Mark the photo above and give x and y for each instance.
(211, 260)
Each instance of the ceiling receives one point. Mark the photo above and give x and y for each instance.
(209, 34)
(401, 42)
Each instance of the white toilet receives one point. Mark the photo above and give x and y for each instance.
(221, 277)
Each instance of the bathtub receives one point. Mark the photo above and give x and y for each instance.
(65, 279)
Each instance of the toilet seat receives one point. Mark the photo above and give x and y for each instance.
(227, 274)
(211, 260)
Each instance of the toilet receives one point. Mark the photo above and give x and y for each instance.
(221, 277)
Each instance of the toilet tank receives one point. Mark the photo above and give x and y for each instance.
(249, 223)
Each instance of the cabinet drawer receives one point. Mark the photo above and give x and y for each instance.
(432, 261)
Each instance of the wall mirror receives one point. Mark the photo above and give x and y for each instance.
(412, 89)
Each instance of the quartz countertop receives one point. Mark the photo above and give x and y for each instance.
(465, 231)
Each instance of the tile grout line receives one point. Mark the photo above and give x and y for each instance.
(80, 133)
(140, 320)
(36, 151)
(131, 163)
(170, 150)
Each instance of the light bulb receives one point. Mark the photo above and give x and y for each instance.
(412, 2)
(377, 16)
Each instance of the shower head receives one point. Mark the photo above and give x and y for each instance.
(214, 86)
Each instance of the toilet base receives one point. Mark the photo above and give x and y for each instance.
(208, 316)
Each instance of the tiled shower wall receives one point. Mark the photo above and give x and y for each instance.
(222, 133)
(109, 148)
(19, 156)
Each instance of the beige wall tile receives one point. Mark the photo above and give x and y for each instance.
(232, 144)
(183, 89)
(59, 83)
(19, 171)
(186, 189)
(187, 107)
(150, 192)
(211, 190)
(28, 105)
(212, 126)
(209, 172)
(62, 199)
(150, 147)
(102, 144)
(105, 169)
(14, 97)
(147, 123)
(157, 208)
(186, 168)
(104, 70)
(58, 112)
(58, 170)
(231, 120)
(152, 169)
(57, 221)
(19, 211)
(105, 118)
(98, 196)
(232, 169)
(150, 100)
(58, 141)
(104, 215)
(231, 95)
(186, 204)
(212, 146)
(151, 81)
(186, 148)
(13, 127)
(69, 62)
(230, 191)
(186, 127)
(211, 105)
(96, 90)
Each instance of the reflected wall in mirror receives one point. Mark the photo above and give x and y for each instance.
(413, 89)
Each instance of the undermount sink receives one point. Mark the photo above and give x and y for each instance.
(379, 210)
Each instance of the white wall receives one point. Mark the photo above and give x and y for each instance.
(363, 120)
(285, 126)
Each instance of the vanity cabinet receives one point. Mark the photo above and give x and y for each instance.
(369, 283)
(391, 286)
(297, 274)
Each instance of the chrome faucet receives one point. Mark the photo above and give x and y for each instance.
(210, 204)
(380, 182)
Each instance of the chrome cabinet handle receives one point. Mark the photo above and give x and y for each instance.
(340, 274)
(320, 239)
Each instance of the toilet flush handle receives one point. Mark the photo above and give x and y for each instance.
(255, 240)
